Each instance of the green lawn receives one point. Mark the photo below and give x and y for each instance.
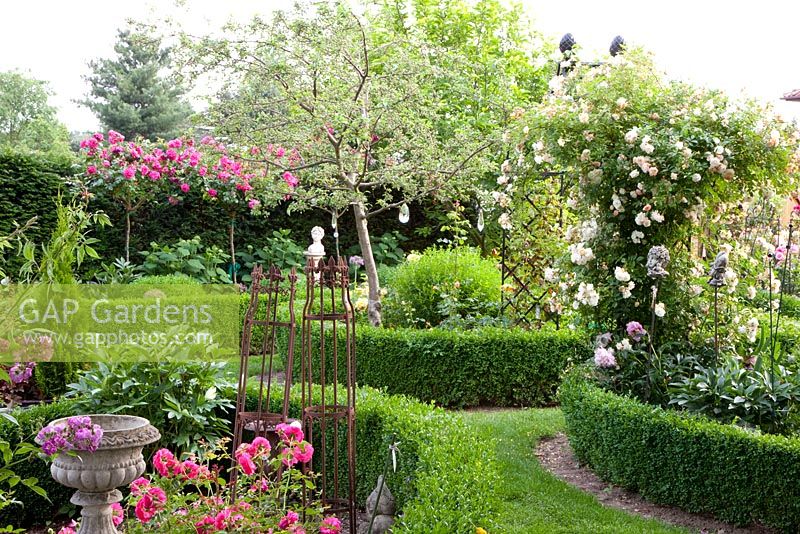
(534, 500)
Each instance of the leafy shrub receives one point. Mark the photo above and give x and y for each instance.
(120, 271)
(35, 509)
(683, 460)
(189, 257)
(488, 366)
(184, 401)
(280, 250)
(445, 476)
(29, 185)
(52, 377)
(730, 393)
(385, 249)
(441, 284)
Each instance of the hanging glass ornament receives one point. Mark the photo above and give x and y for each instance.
(405, 213)
(334, 221)
(480, 224)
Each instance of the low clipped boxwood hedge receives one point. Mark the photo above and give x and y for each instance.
(480, 367)
(444, 480)
(687, 461)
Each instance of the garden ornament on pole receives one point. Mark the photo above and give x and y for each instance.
(657, 261)
(717, 280)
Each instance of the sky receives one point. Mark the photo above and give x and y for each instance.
(734, 45)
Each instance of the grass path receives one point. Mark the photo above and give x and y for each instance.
(535, 501)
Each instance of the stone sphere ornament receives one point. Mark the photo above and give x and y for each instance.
(657, 261)
(117, 462)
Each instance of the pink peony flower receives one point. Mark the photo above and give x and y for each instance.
(185, 187)
(604, 357)
(212, 193)
(129, 172)
(91, 169)
(115, 137)
(635, 330)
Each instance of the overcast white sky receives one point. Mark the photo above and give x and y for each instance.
(733, 45)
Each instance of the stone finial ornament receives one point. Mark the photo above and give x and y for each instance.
(657, 261)
(383, 509)
(717, 272)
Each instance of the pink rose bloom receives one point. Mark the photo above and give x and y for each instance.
(117, 514)
(185, 187)
(139, 486)
(175, 143)
(263, 485)
(115, 137)
(280, 151)
(604, 358)
(154, 175)
(253, 203)
(128, 172)
(164, 462)
(259, 447)
(212, 193)
(202, 171)
(145, 509)
(289, 432)
(91, 169)
(69, 529)
(330, 525)
(303, 452)
(246, 463)
(288, 520)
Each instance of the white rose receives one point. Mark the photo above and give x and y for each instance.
(621, 274)
(660, 310)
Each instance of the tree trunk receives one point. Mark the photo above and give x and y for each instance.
(374, 307)
(127, 235)
(233, 251)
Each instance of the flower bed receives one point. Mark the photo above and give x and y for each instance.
(682, 460)
(445, 475)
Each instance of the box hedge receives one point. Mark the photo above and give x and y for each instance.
(682, 460)
(444, 481)
(486, 366)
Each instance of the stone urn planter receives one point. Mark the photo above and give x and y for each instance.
(117, 462)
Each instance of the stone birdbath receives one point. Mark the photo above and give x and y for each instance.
(117, 462)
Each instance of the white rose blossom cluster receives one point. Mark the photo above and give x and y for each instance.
(750, 329)
(586, 295)
(579, 254)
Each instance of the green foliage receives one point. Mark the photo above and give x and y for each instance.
(440, 284)
(27, 122)
(131, 93)
(189, 257)
(69, 245)
(279, 250)
(488, 366)
(121, 271)
(29, 186)
(732, 394)
(683, 460)
(35, 509)
(166, 279)
(386, 249)
(52, 377)
(185, 401)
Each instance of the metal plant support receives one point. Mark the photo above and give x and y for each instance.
(266, 291)
(328, 365)
(523, 306)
